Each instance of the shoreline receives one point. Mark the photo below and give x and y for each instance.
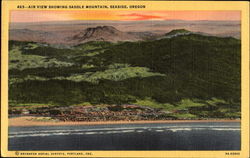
(25, 121)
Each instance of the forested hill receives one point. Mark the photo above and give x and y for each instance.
(186, 72)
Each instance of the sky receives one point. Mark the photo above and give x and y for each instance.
(42, 16)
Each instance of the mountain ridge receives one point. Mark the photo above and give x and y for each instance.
(103, 33)
(81, 33)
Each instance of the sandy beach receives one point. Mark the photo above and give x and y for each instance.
(32, 121)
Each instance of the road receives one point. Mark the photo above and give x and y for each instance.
(161, 136)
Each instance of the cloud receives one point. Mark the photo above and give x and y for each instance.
(136, 16)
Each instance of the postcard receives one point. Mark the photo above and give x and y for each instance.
(125, 79)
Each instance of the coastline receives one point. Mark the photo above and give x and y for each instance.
(29, 121)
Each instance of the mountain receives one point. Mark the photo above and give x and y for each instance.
(62, 32)
(103, 33)
(178, 32)
(174, 33)
(32, 35)
(196, 74)
(99, 33)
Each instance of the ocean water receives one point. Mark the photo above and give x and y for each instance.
(155, 136)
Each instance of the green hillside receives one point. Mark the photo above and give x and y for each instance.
(197, 74)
